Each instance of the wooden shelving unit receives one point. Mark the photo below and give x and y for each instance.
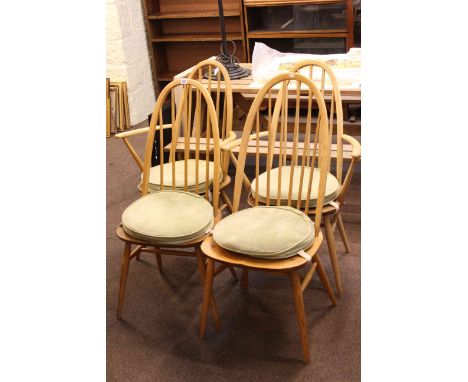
(300, 26)
(182, 33)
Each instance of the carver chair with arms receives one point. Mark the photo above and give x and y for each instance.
(207, 72)
(269, 237)
(324, 76)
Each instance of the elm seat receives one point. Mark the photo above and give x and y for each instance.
(155, 176)
(268, 232)
(171, 217)
(332, 188)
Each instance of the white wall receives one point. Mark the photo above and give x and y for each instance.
(128, 57)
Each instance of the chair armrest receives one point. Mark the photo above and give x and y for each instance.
(142, 130)
(356, 153)
(232, 137)
(237, 142)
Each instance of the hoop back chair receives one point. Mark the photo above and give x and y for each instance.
(324, 75)
(162, 228)
(208, 72)
(217, 250)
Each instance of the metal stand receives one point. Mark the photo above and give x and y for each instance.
(230, 62)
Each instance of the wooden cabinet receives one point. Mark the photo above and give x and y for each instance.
(184, 32)
(300, 26)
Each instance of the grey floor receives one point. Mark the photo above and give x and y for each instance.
(157, 340)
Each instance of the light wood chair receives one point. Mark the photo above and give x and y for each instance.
(320, 71)
(319, 156)
(210, 151)
(207, 72)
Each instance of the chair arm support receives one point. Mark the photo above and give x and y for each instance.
(237, 142)
(355, 156)
(232, 137)
(356, 153)
(142, 130)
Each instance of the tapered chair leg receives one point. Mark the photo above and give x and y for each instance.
(207, 295)
(159, 262)
(233, 273)
(245, 279)
(300, 313)
(123, 278)
(202, 271)
(324, 278)
(343, 233)
(332, 251)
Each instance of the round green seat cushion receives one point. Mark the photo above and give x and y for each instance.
(270, 232)
(332, 188)
(155, 175)
(168, 216)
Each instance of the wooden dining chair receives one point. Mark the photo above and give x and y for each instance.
(324, 76)
(215, 78)
(273, 238)
(172, 219)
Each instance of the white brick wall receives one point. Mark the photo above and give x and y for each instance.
(128, 57)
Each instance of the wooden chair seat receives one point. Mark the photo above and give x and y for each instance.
(122, 235)
(159, 218)
(217, 253)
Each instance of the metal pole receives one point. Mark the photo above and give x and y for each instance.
(223, 28)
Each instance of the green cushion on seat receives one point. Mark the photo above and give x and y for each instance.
(168, 217)
(155, 175)
(332, 188)
(271, 232)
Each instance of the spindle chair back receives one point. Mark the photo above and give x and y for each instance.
(213, 74)
(307, 151)
(322, 74)
(324, 78)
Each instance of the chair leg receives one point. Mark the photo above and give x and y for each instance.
(202, 271)
(245, 279)
(332, 250)
(233, 273)
(300, 313)
(343, 233)
(207, 295)
(123, 278)
(227, 201)
(159, 262)
(324, 278)
(138, 256)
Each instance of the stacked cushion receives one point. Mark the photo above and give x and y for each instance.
(332, 188)
(171, 217)
(155, 176)
(272, 232)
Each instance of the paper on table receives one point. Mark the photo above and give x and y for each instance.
(267, 63)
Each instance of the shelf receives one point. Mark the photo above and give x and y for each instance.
(269, 3)
(258, 33)
(190, 15)
(194, 37)
(297, 34)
